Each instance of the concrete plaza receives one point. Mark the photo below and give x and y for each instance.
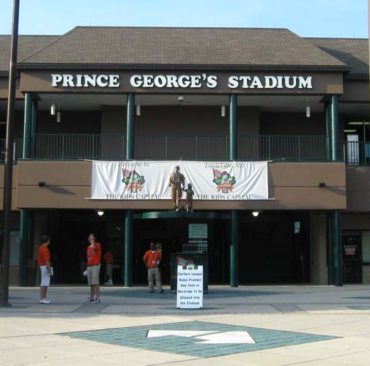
(287, 325)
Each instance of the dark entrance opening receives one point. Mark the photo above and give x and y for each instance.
(172, 231)
(69, 231)
(273, 247)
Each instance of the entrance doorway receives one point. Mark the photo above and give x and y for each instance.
(352, 257)
(69, 231)
(273, 247)
(174, 235)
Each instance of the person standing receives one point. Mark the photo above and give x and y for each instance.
(93, 253)
(177, 184)
(152, 258)
(109, 261)
(46, 271)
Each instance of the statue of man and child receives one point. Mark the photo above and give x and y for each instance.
(177, 184)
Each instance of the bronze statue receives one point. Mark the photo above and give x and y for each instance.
(177, 184)
(189, 198)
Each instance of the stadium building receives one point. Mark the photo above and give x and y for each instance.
(160, 97)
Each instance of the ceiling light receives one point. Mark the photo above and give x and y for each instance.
(349, 130)
(255, 213)
(308, 111)
(359, 123)
(100, 212)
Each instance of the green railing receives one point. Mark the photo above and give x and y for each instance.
(112, 147)
(283, 147)
(79, 146)
(181, 147)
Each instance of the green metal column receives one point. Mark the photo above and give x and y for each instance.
(127, 280)
(336, 274)
(130, 135)
(234, 281)
(25, 214)
(233, 155)
(25, 245)
(328, 132)
(35, 107)
(27, 126)
(334, 128)
(130, 145)
(233, 131)
(329, 236)
(337, 248)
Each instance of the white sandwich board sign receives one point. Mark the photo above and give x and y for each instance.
(189, 287)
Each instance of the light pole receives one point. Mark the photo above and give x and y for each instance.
(8, 169)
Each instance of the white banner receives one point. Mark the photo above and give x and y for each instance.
(149, 180)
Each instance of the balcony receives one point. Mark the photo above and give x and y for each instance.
(310, 148)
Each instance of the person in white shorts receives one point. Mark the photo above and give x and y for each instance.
(93, 253)
(44, 262)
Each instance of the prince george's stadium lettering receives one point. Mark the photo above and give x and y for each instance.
(270, 82)
(187, 81)
(173, 81)
(85, 81)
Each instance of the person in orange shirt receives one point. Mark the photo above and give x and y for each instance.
(152, 258)
(109, 261)
(44, 262)
(93, 253)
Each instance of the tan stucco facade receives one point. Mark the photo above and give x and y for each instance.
(291, 186)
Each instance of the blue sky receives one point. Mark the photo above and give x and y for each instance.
(322, 18)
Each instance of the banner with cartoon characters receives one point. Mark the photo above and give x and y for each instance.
(150, 180)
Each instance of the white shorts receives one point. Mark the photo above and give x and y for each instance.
(45, 276)
(93, 273)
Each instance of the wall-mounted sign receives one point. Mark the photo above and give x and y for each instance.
(207, 82)
(198, 231)
(350, 250)
(182, 81)
(297, 227)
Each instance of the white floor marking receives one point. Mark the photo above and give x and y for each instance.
(227, 337)
(179, 333)
(207, 337)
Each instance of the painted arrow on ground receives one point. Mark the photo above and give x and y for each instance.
(206, 337)
(227, 337)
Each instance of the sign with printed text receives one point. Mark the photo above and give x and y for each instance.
(177, 82)
(150, 180)
(152, 81)
(189, 287)
(198, 231)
